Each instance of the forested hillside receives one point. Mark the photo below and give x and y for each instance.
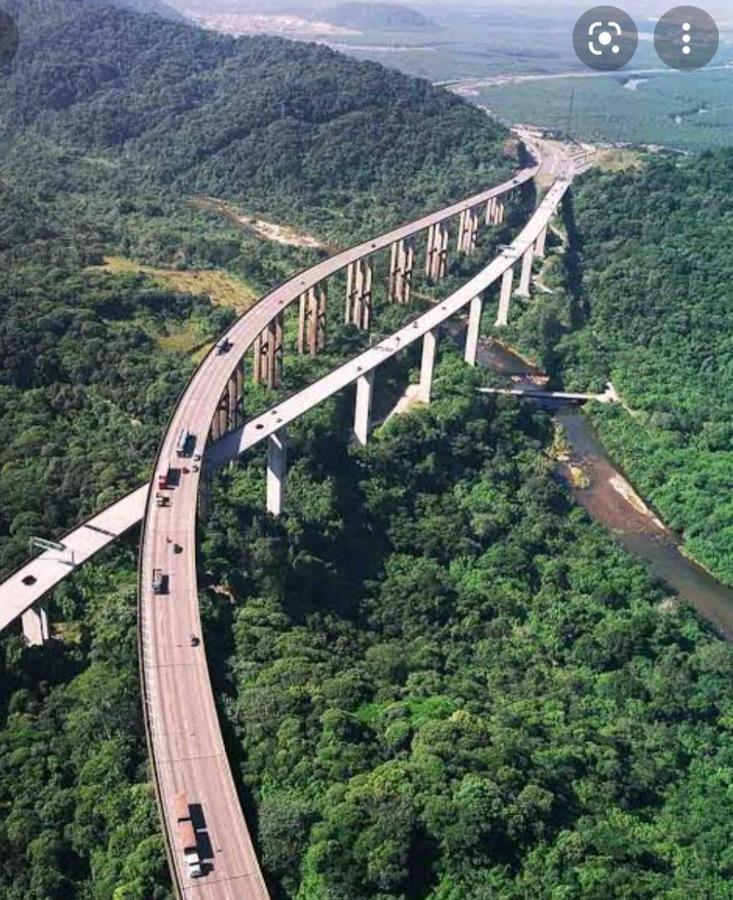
(292, 130)
(648, 303)
(447, 684)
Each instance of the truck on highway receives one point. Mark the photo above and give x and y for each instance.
(185, 438)
(187, 834)
(159, 581)
(164, 479)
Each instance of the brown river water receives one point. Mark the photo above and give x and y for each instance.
(611, 501)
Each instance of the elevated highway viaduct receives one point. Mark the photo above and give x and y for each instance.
(185, 742)
(22, 593)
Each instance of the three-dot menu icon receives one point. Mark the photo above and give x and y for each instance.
(686, 37)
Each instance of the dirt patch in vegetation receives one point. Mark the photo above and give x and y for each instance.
(220, 287)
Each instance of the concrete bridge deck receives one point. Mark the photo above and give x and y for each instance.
(186, 746)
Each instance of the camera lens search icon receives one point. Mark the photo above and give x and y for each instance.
(605, 38)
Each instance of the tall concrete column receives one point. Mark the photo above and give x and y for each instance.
(427, 368)
(500, 211)
(35, 624)
(303, 315)
(474, 330)
(490, 211)
(257, 359)
(215, 431)
(321, 315)
(539, 247)
(267, 353)
(239, 375)
(363, 408)
(359, 279)
(402, 264)
(223, 413)
(505, 298)
(525, 279)
(408, 269)
(436, 261)
(463, 232)
(277, 469)
(312, 321)
(475, 224)
(430, 252)
(232, 402)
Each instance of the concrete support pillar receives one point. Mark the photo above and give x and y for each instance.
(232, 403)
(268, 354)
(539, 247)
(312, 323)
(468, 231)
(35, 624)
(239, 377)
(363, 408)
(359, 280)
(474, 330)
(277, 468)
(436, 259)
(429, 347)
(215, 431)
(256, 359)
(505, 297)
(475, 225)
(462, 230)
(525, 279)
(222, 413)
(499, 211)
(402, 264)
(490, 211)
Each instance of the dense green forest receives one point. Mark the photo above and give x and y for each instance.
(111, 122)
(646, 299)
(438, 679)
(77, 814)
(447, 684)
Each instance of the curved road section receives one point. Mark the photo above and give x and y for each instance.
(185, 741)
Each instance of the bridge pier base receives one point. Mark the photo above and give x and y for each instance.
(525, 279)
(427, 367)
(277, 469)
(539, 247)
(474, 330)
(363, 408)
(505, 298)
(35, 624)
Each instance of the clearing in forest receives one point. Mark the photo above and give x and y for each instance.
(220, 287)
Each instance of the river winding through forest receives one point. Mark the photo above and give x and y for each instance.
(611, 501)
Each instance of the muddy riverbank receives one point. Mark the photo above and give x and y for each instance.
(611, 501)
